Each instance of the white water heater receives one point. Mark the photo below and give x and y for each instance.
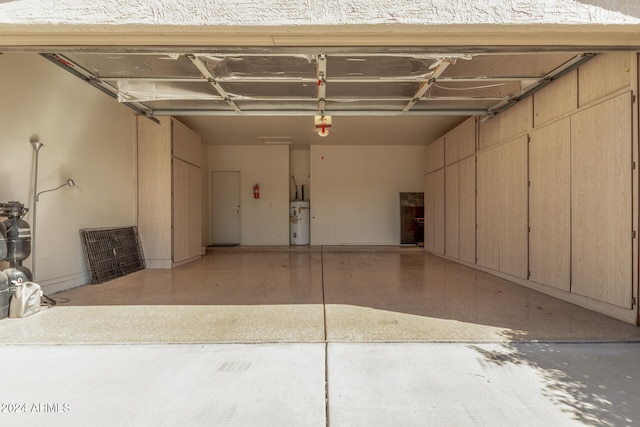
(299, 213)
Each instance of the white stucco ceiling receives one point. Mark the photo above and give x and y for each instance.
(275, 13)
(319, 22)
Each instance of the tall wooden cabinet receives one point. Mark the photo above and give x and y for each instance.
(450, 194)
(169, 192)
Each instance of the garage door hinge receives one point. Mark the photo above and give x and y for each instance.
(528, 275)
(633, 165)
(633, 302)
(529, 229)
(528, 138)
(633, 234)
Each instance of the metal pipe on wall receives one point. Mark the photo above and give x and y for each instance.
(37, 145)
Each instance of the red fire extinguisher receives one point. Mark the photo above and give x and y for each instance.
(256, 191)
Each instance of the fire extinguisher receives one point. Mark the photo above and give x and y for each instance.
(256, 191)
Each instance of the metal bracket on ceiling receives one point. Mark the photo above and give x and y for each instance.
(438, 68)
(322, 82)
(206, 74)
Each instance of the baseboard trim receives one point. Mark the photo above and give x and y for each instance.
(624, 314)
(59, 284)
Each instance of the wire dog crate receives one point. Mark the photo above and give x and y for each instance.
(111, 252)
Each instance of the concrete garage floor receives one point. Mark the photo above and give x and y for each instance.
(335, 336)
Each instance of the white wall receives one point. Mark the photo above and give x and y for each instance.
(87, 136)
(355, 192)
(263, 221)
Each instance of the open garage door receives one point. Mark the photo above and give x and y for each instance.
(448, 84)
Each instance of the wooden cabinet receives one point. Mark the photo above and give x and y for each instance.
(605, 74)
(434, 238)
(502, 208)
(601, 202)
(467, 210)
(460, 195)
(513, 208)
(548, 105)
(515, 121)
(169, 192)
(550, 205)
(488, 209)
(461, 141)
(556, 182)
(452, 210)
(435, 156)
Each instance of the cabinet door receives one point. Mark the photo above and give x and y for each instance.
(438, 211)
(195, 211)
(467, 209)
(451, 180)
(434, 234)
(186, 143)
(187, 217)
(467, 141)
(154, 191)
(181, 232)
(489, 207)
(550, 205)
(502, 208)
(513, 208)
(601, 211)
(435, 155)
(429, 217)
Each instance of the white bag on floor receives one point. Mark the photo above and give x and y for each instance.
(26, 299)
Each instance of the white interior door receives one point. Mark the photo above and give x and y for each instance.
(225, 207)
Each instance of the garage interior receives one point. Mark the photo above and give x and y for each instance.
(527, 158)
(544, 149)
(517, 152)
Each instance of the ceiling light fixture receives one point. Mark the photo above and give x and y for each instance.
(323, 131)
(323, 123)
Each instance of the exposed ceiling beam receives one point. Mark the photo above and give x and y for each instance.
(440, 67)
(212, 80)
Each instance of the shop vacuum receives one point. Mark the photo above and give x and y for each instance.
(19, 296)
